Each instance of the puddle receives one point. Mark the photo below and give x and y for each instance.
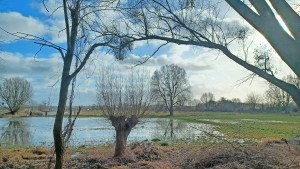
(264, 121)
(220, 121)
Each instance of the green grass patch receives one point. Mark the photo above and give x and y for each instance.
(164, 144)
(260, 126)
(156, 139)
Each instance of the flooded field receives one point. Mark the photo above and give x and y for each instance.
(37, 131)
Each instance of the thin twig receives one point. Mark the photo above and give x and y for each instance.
(148, 57)
(245, 79)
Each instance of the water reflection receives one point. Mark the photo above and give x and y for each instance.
(170, 129)
(176, 130)
(15, 133)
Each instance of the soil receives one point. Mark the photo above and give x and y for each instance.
(273, 154)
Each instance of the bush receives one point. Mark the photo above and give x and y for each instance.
(156, 139)
(164, 144)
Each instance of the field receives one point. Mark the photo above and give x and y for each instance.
(259, 126)
(272, 141)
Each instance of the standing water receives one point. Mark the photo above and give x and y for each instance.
(93, 131)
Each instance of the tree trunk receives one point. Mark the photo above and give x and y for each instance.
(171, 128)
(12, 112)
(57, 130)
(123, 126)
(297, 101)
(171, 110)
(121, 141)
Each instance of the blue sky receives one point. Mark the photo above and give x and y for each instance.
(208, 70)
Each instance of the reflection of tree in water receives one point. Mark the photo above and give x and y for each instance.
(16, 133)
(171, 129)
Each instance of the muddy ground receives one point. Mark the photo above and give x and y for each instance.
(273, 154)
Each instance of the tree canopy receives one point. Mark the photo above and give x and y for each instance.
(170, 85)
(15, 92)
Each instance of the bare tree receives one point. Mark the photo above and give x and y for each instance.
(262, 56)
(236, 100)
(44, 107)
(123, 98)
(32, 104)
(202, 24)
(253, 100)
(207, 99)
(170, 84)
(15, 92)
(277, 98)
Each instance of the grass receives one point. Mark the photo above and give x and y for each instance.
(258, 126)
(263, 127)
(91, 113)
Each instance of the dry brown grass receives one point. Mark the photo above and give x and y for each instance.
(147, 155)
(24, 153)
(268, 155)
(36, 157)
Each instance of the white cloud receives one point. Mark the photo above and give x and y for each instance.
(208, 71)
(16, 22)
(57, 30)
(15, 64)
(41, 72)
(55, 19)
(53, 25)
(179, 50)
(225, 81)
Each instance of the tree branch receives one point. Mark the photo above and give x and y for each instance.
(147, 58)
(262, 8)
(52, 46)
(247, 13)
(276, 36)
(87, 56)
(66, 22)
(289, 16)
(292, 89)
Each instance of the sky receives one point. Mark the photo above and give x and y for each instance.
(207, 70)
